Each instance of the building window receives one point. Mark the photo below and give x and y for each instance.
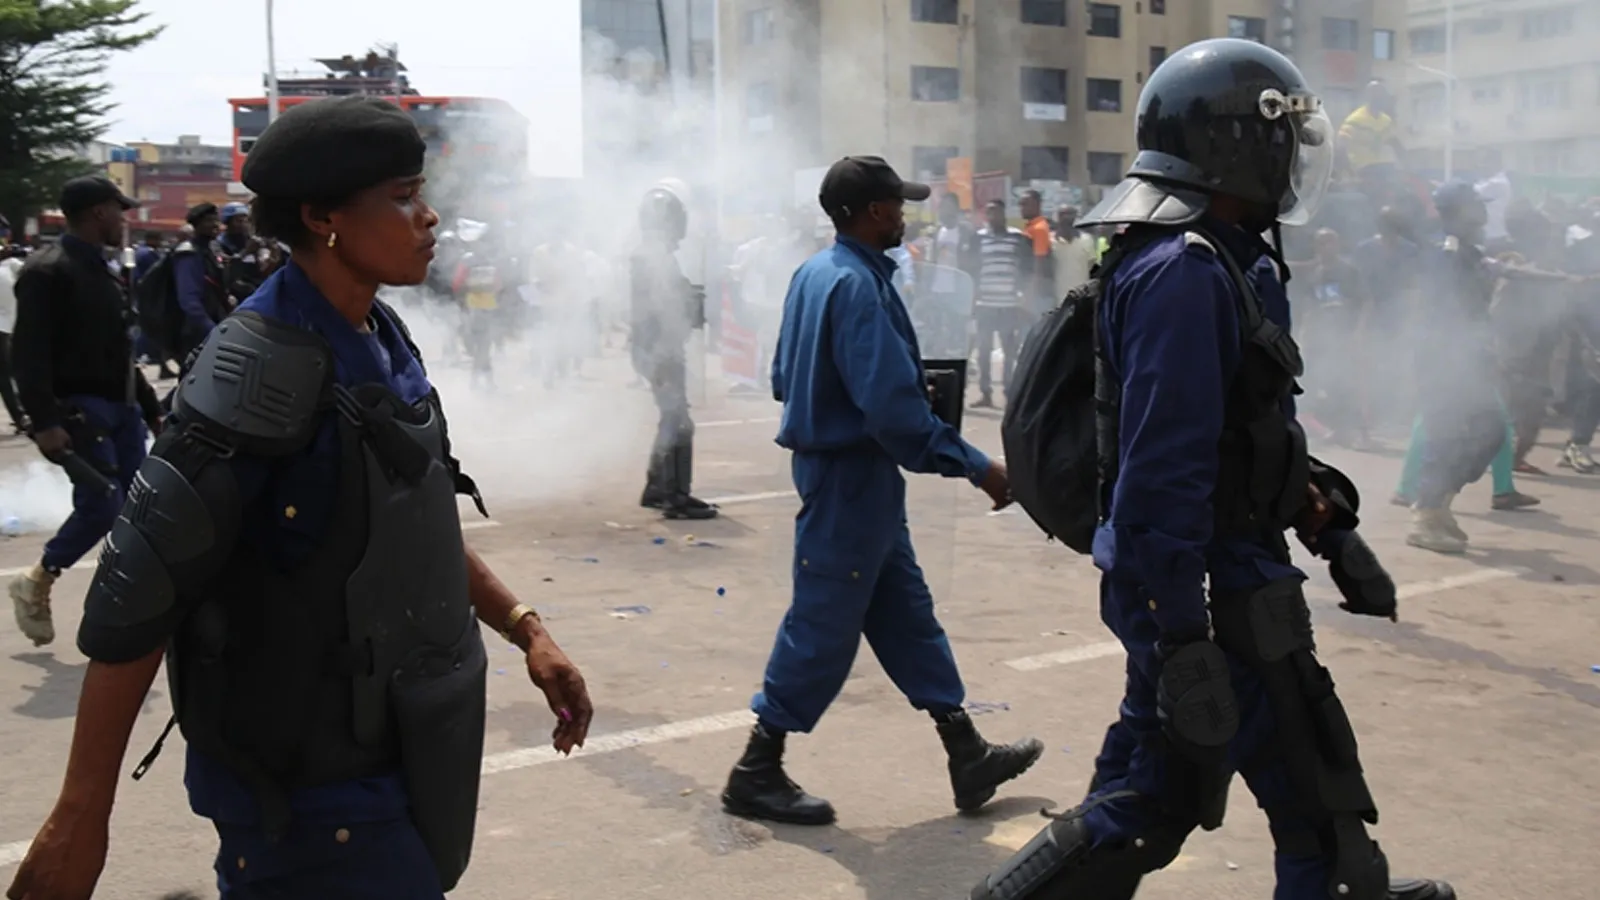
(1544, 91)
(758, 104)
(1158, 55)
(1044, 12)
(1485, 26)
(1487, 93)
(1428, 40)
(1251, 28)
(246, 144)
(1158, 7)
(1105, 20)
(1105, 95)
(1341, 34)
(928, 162)
(1547, 23)
(1382, 43)
(938, 12)
(1044, 164)
(1105, 168)
(1428, 104)
(935, 84)
(1044, 86)
(758, 26)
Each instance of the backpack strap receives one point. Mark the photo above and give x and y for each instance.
(1254, 325)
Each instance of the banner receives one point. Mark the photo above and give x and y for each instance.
(738, 346)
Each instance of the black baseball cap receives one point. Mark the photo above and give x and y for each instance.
(80, 194)
(855, 181)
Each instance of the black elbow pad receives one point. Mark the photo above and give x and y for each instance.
(171, 525)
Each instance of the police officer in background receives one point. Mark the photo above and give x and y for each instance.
(666, 308)
(244, 257)
(77, 381)
(855, 412)
(1203, 470)
(293, 544)
(198, 273)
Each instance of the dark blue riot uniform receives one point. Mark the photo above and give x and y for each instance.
(1202, 470)
(855, 412)
(304, 805)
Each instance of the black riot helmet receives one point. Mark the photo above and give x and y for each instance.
(662, 215)
(1234, 117)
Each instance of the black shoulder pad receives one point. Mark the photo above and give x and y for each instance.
(257, 385)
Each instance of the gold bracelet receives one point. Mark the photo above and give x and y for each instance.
(515, 617)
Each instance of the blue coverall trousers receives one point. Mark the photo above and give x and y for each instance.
(1135, 754)
(119, 441)
(855, 574)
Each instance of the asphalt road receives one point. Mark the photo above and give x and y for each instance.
(1477, 713)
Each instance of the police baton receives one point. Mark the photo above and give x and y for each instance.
(82, 472)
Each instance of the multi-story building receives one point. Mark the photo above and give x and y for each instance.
(1506, 85)
(648, 87)
(1043, 90)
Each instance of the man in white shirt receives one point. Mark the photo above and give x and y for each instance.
(10, 265)
(1075, 252)
(1006, 266)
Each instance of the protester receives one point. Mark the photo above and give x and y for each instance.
(1007, 260)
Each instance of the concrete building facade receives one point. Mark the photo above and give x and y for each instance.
(1509, 85)
(1042, 90)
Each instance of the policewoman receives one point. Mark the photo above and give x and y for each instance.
(293, 547)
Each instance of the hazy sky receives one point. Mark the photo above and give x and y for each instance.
(523, 51)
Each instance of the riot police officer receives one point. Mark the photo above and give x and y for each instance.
(293, 543)
(666, 308)
(1203, 469)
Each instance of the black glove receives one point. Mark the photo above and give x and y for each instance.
(1199, 715)
(1367, 588)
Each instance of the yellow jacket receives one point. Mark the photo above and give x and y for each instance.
(1368, 138)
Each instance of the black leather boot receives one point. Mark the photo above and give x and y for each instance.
(759, 789)
(978, 767)
(1420, 889)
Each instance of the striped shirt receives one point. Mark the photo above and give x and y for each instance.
(1000, 276)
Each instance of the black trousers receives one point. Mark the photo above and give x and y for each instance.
(672, 455)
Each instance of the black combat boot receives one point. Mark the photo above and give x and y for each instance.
(977, 767)
(692, 508)
(759, 789)
(1420, 889)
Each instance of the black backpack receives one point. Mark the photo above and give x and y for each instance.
(1049, 429)
(155, 298)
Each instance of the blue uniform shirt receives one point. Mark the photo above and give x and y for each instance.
(1171, 332)
(308, 484)
(849, 372)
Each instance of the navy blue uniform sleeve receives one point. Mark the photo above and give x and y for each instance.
(1178, 337)
(189, 272)
(107, 643)
(885, 383)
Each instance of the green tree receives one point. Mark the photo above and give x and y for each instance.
(53, 97)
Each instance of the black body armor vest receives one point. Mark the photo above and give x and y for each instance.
(1263, 463)
(366, 658)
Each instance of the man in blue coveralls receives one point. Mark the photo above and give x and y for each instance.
(197, 273)
(855, 411)
(1203, 469)
(293, 543)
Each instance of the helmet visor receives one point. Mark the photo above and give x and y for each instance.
(1312, 168)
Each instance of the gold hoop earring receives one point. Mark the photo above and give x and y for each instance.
(333, 239)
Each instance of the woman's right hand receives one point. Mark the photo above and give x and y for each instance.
(66, 858)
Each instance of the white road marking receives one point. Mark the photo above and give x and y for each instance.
(1067, 656)
(1440, 585)
(475, 524)
(729, 423)
(733, 499)
(622, 740)
(1113, 648)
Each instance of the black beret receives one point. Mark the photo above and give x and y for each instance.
(200, 211)
(329, 149)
